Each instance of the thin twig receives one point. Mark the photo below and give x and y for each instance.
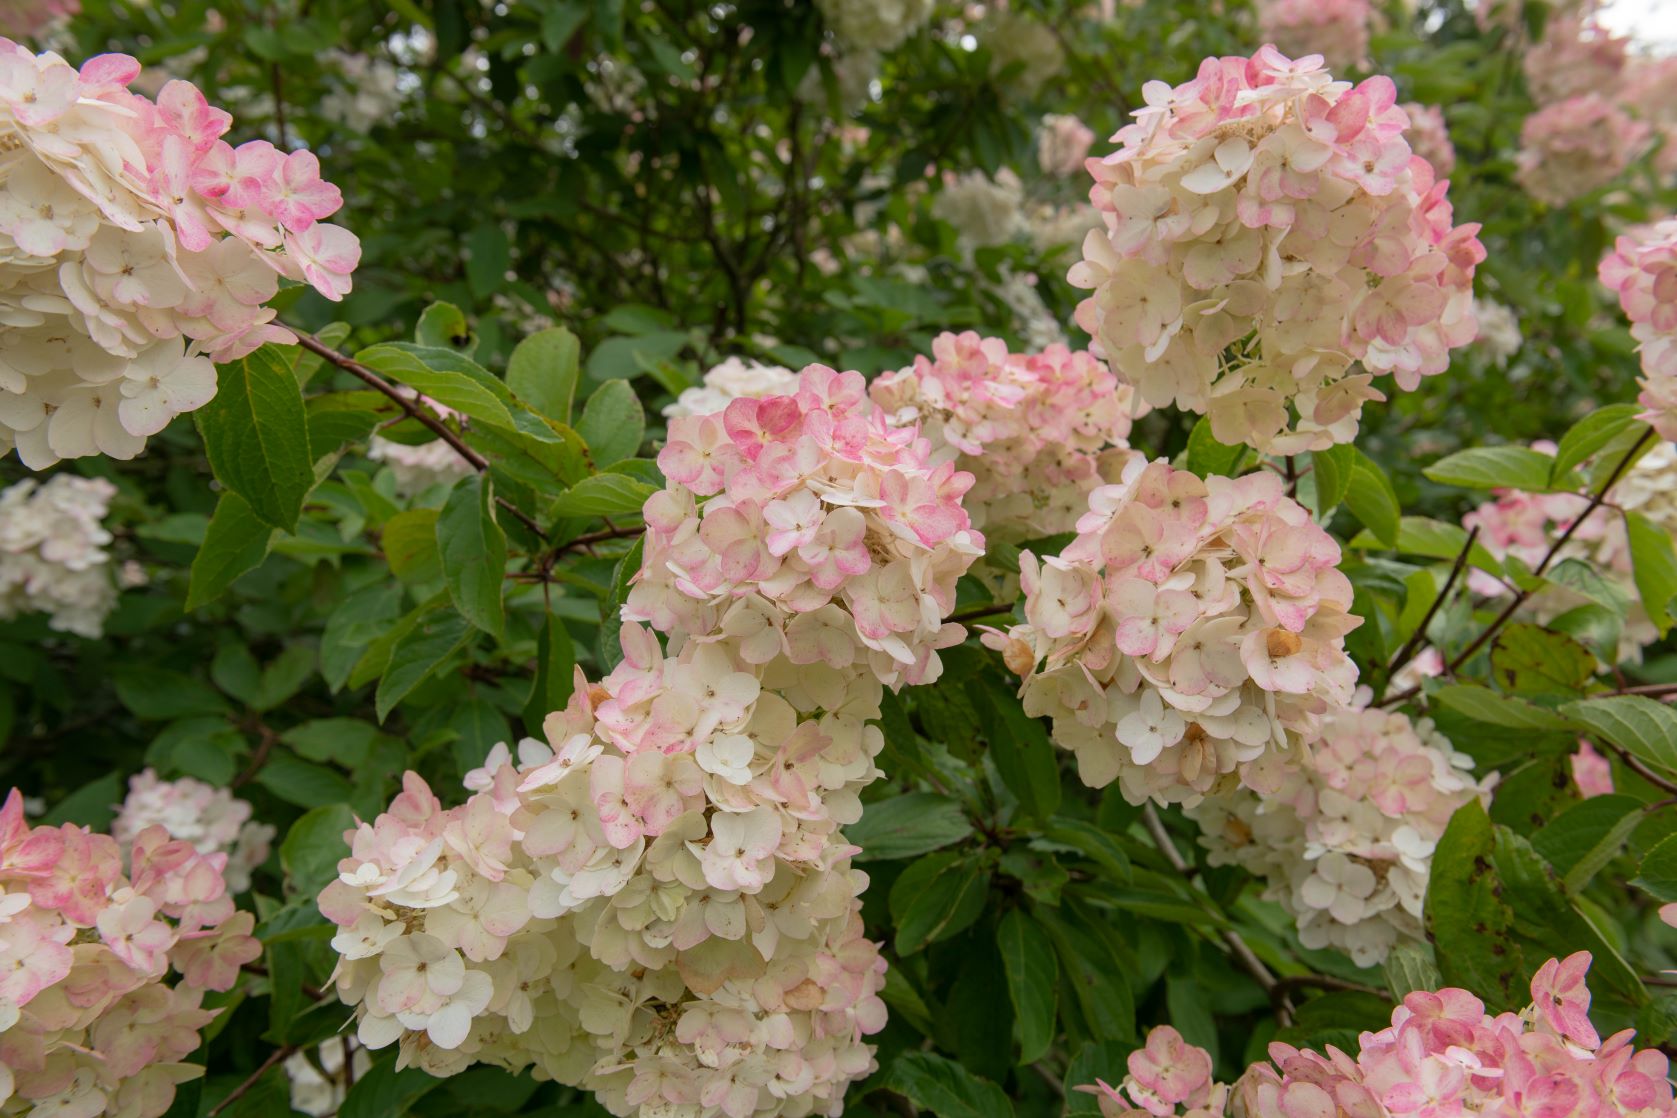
(1289, 982)
(1635, 765)
(1652, 690)
(276, 1056)
(416, 411)
(1519, 599)
(1419, 637)
(989, 609)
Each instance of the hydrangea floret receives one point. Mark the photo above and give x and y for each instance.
(1190, 639)
(1576, 146)
(1335, 29)
(136, 248)
(90, 1022)
(1271, 246)
(1345, 844)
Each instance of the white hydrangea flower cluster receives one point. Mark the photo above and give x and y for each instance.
(52, 552)
(1030, 427)
(370, 92)
(1190, 639)
(1499, 330)
(136, 247)
(657, 904)
(984, 211)
(211, 819)
(1266, 229)
(418, 467)
(874, 25)
(724, 383)
(1345, 844)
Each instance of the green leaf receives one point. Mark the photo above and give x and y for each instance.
(1082, 835)
(942, 1086)
(1654, 564)
(420, 651)
(543, 372)
(235, 543)
(1586, 836)
(1096, 978)
(303, 783)
(1467, 919)
(410, 546)
(344, 740)
(1332, 470)
(561, 21)
(1409, 967)
(284, 676)
(444, 326)
(1527, 659)
(1484, 705)
(612, 423)
(1433, 539)
(473, 550)
(1033, 979)
(936, 897)
(1589, 435)
(1494, 467)
(907, 826)
(158, 693)
(1019, 746)
(384, 1092)
(451, 389)
(1639, 725)
(555, 673)
(91, 805)
(1372, 500)
(627, 358)
(1207, 456)
(313, 847)
(256, 435)
(603, 495)
(1658, 875)
(488, 259)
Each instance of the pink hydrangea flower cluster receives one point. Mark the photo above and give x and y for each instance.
(1429, 136)
(136, 247)
(1335, 29)
(1345, 845)
(1190, 639)
(825, 534)
(1167, 1077)
(1063, 144)
(1577, 56)
(417, 468)
(1444, 1055)
(28, 18)
(53, 556)
(88, 1022)
(211, 819)
(1029, 427)
(1266, 229)
(1649, 93)
(656, 903)
(1575, 146)
(1642, 270)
